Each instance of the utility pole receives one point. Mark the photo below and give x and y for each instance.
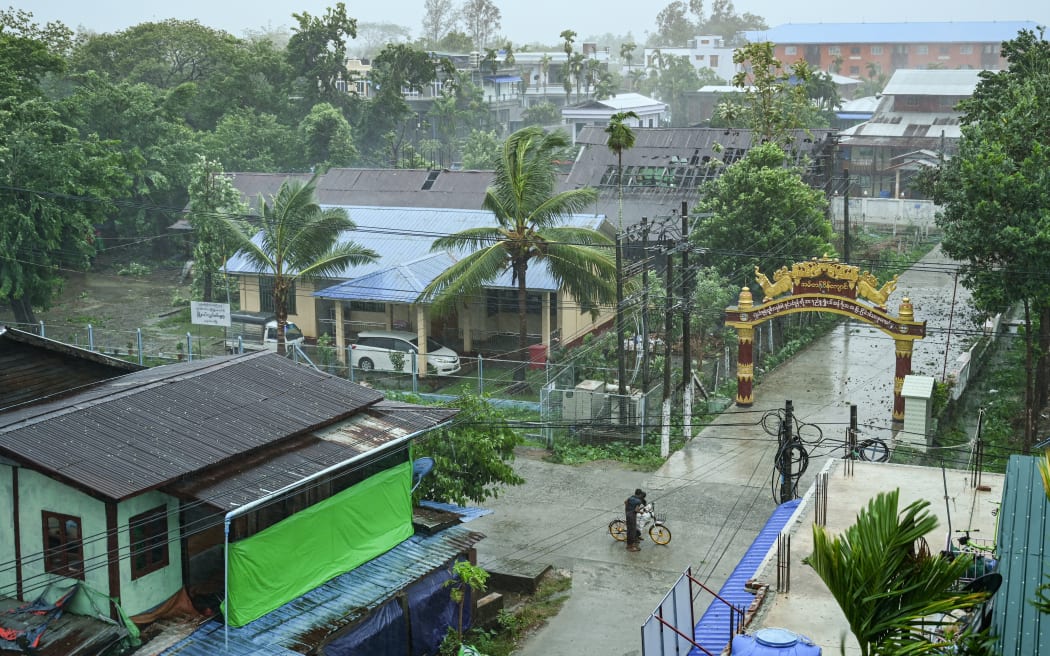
(645, 306)
(845, 219)
(621, 364)
(787, 493)
(687, 356)
(665, 413)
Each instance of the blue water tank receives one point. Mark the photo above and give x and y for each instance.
(774, 642)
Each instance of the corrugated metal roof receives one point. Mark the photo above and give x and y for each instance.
(399, 284)
(928, 32)
(1023, 546)
(932, 82)
(251, 478)
(146, 429)
(303, 623)
(34, 368)
(406, 234)
(466, 513)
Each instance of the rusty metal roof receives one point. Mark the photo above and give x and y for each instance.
(301, 625)
(245, 480)
(34, 368)
(670, 166)
(149, 428)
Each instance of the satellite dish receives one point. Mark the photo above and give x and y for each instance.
(420, 468)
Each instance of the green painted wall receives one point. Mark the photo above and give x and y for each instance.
(146, 592)
(8, 578)
(37, 493)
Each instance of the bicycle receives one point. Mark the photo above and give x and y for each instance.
(647, 522)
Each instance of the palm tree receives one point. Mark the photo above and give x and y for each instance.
(298, 240)
(621, 138)
(528, 229)
(885, 587)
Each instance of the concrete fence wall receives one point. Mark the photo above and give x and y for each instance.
(903, 214)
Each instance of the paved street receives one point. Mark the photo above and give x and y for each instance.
(716, 493)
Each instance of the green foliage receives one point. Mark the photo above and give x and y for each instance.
(317, 53)
(247, 140)
(212, 201)
(764, 214)
(471, 457)
(544, 113)
(397, 360)
(889, 595)
(480, 150)
(993, 194)
(642, 458)
(326, 139)
(133, 269)
(776, 99)
(467, 577)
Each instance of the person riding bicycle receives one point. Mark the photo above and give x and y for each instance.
(631, 506)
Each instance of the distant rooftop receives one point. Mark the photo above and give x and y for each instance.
(932, 82)
(929, 32)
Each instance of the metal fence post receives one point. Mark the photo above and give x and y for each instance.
(138, 335)
(350, 363)
(42, 329)
(481, 376)
(415, 374)
(91, 337)
(189, 347)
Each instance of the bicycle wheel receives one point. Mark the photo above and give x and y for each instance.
(618, 529)
(660, 534)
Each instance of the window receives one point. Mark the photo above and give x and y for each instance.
(922, 50)
(943, 50)
(63, 545)
(876, 50)
(149, 541)
(714, 61)
(790, 50)
(855, 50)
(266, 295)
(965, 50)
(834, 50)
(854, 70)
(367, 306)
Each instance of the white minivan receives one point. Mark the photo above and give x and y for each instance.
(373, 348)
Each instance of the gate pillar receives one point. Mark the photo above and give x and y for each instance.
(903, 350)
(745, 355)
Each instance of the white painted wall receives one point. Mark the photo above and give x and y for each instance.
(137, 596)
(8, 578)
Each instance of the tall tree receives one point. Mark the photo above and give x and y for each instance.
(764, 214)
(482, 18)
(776, 99)
(298, 240)
(995, 207)
(439, 18)
(317, 53)
(529, 229)
(621, 138)
(676, 77)
(326, 139)
(724, 21)
(889, 594)
(213, 199)
(673, 27)
(58, 184)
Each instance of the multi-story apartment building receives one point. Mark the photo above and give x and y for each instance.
(862, 50)
(704, 52)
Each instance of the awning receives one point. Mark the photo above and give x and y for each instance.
(503, 78)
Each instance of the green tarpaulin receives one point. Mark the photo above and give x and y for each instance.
(315, 545)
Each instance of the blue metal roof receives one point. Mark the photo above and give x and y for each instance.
(1023, 546)
(503, 78)
(399, 284)
(931, 32)
(405, 234)
(466, 513)
(294, 628)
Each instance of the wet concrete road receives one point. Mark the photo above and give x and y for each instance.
(716, 493)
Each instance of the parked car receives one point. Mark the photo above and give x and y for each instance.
(373, 349)
(257, 331)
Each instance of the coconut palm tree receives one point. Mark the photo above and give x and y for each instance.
(621, 138)
(889, 593)
(529, 217)
(298, 240)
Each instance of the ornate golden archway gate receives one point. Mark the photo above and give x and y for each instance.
(823, 285)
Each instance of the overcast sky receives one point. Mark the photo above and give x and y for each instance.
(524, 21)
